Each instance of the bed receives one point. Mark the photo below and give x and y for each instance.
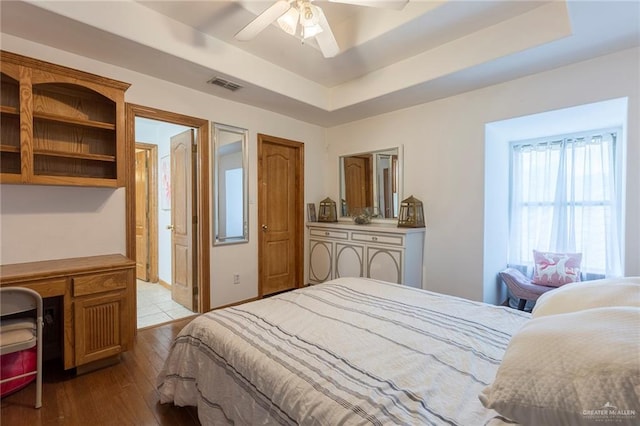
(359, 351)
(350, 351)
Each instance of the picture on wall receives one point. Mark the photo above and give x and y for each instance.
(165, 181)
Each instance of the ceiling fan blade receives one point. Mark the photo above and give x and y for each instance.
(386, 4)
(326, 41)
(263, 20)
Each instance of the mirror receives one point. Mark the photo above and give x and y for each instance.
(230, 185)
(373, 181)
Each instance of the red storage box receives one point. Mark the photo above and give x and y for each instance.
(15, 364)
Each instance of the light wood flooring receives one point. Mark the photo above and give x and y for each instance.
(122, 394)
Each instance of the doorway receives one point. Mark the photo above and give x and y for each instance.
(151, 134)
(280, 214)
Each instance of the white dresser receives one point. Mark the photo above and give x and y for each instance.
(380, 251)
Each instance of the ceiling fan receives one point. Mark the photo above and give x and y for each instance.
(303, 19)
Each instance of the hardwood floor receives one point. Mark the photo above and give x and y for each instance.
(122, 394)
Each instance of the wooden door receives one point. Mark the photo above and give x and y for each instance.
(358, 183)
(146, 198)
(280, 214)
(142, 215)
(182, 208)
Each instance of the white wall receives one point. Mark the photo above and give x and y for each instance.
(54, 222)
(444, 148)
(52, 214)
(444, 151)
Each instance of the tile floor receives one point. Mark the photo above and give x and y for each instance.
(155, 305)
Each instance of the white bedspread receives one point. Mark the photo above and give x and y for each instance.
(350, 351)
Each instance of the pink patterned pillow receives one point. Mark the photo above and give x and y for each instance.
(556, 269)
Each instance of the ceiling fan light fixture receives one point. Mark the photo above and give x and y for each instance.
(310, 20)
(311, 31)
(309, 14)
(289, 21)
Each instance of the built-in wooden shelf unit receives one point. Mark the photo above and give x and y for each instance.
(59, 126)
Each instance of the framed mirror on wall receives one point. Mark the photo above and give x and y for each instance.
(371, 183)
(230, 184)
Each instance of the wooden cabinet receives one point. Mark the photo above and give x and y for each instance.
(59, 126)
(379, 251)
(98, 294)
(100, 306)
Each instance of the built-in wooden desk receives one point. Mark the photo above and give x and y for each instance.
(98, 295)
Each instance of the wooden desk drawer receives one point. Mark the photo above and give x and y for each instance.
(48, 288)
(98, 283)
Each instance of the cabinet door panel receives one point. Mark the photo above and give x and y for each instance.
(99, 326)
(384, 264)
(349, 260)
(320, 255)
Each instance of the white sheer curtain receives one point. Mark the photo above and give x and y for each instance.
(565, 198)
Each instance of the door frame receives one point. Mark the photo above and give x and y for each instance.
(299, 234)
(152, 179)
(202, 178)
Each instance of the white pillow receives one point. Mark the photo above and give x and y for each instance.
(589, 294)
(571, 369)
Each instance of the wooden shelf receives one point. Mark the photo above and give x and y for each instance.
(74, 121)
(9, 148)
(78, 155)
(9, 110)
(60, 126)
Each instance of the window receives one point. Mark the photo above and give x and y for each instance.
(565, 197)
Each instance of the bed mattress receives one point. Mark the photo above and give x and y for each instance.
(350, 351)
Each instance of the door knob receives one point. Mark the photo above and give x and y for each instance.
(170, 227)
(265, 227)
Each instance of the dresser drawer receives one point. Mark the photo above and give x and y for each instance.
(99, 283)
(329, 233)
(378, 238)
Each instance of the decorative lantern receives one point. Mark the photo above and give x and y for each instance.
(327, 211)
(411, 213)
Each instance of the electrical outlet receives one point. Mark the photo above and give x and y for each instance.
(236, 278)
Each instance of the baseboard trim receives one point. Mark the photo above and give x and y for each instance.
(164, 284)
(235, 303)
